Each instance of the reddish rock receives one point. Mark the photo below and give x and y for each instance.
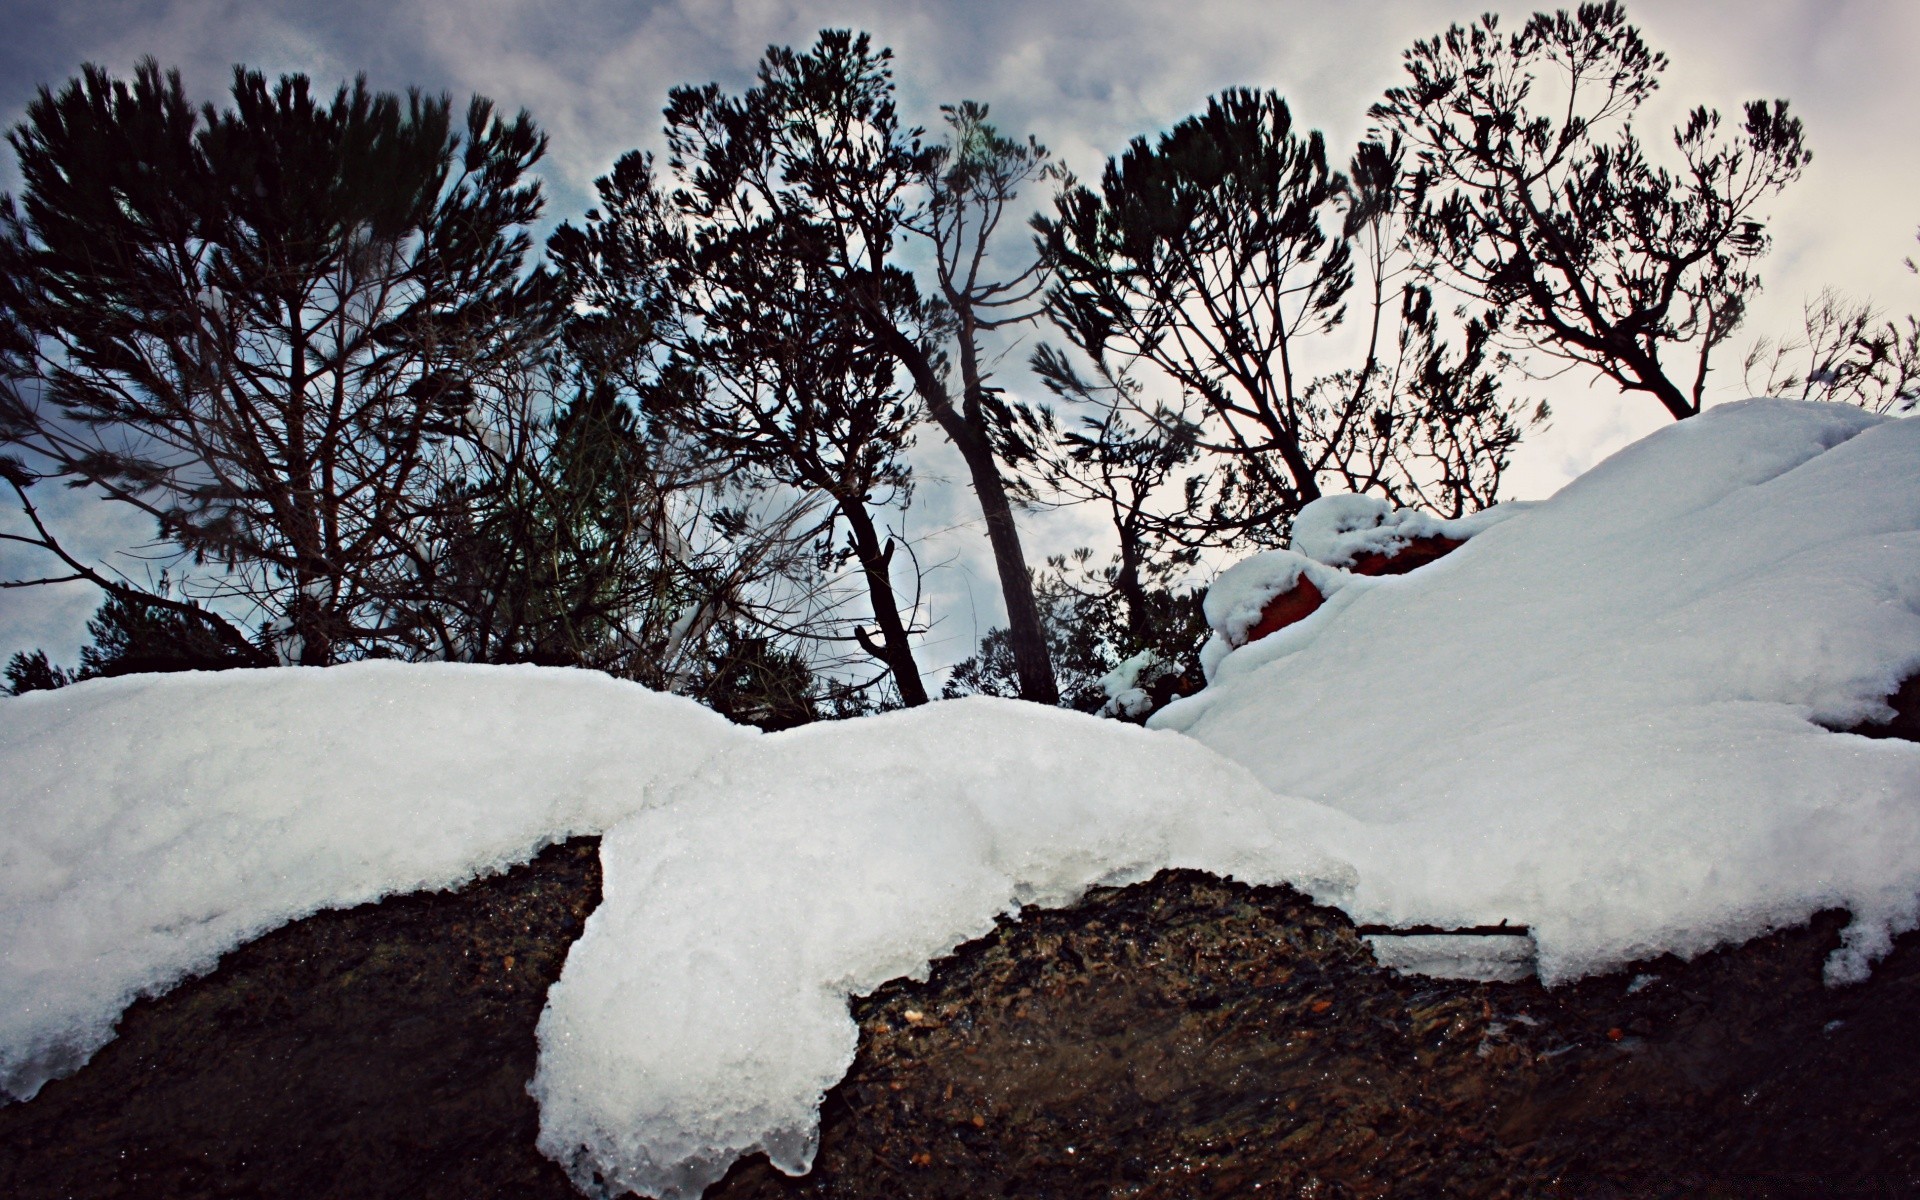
(1300, 601)
(1294, 604)
(1416, 553)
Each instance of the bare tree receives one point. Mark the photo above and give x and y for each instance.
(1847, 351)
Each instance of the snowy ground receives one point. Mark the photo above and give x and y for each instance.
(1601, 718)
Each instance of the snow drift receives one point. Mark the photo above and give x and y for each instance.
(1607, 716)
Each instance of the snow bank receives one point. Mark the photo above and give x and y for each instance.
(1602, 718)
(703, 1012)
(154, 822)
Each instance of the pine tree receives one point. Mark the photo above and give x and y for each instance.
(1207, 270)
(1533, 194)
(269, 328)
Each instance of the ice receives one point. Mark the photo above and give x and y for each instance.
(1485, 958)
(1605, 717)
(154, 822)
(703, 1012)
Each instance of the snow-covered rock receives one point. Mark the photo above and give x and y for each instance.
(1607, 717)
(153, 822)
(703, 1013)
(1347, 530)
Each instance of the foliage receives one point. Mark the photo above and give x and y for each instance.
(130, 637)
(1534, 195)
(1090, 631)
(270, 328)
(1206, 259)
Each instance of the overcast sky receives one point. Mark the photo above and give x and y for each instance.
(1082, 75)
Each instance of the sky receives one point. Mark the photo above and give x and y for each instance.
(1084, 76)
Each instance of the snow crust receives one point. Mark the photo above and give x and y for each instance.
(703, 1013)
(152, 823)
(1603, 717)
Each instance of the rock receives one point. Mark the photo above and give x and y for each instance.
(1296, 604)
(1416, 553)
(1303, 599)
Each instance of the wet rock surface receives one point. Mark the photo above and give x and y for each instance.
(1183, 1037)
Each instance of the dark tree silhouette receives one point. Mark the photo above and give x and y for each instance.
(1533, 194)
(268, 327)
(1205, 259)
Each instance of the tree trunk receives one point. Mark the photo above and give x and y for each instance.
(1127, 583)
(1030, 658)
(876, 564)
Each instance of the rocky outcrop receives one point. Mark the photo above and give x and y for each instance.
(1182, 1037)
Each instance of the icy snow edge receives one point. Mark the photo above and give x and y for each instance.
(153, 823)
(703, 1012)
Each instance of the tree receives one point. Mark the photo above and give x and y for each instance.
(133, 637)
(1123, 457)
(610, 545)
(970, 181)
(1534, 196)
(768, 371)
(817, 148)
(266, 327)
(1847, 352)
(1091, 631)
(1205, 257)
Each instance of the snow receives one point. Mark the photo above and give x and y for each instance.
(703, 1012)
(155, 822)
(1237, 598)
(1125, 695)
(1335, 530)
(1606, 716)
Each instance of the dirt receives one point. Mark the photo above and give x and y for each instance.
(1183, 1037)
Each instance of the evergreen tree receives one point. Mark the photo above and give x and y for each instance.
(131, 637)
(1218, 259)
(787, 194)
(1091, 630)
(1533, 194)
(265, 327)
